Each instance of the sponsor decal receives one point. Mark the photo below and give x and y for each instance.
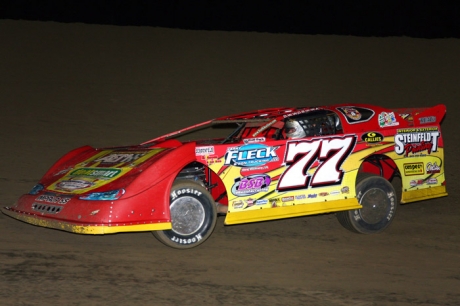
(432, 181)
(254, 169)
(414, 169)
(405, 116)
(312, 195)
(210, 160)
(334, 192)
(194, 239)
(372, 137)
(251, 184)
(299, 112)
(254, 140)
(323, 194)
(251, 155)
(432, 168)
(426, 120)
(62, 172)
(355, 114)
(329, 152)
(237, 204)
(387, 119)
(203, 151)
(413, 141)
(263, 128)
(300, 197)
(345, 189)
(351, 113)
(120, 157)
(261, 202)
(250, 202)
(71, 185)
(99, 173)
(415, 183)
(53, 198)
(178, 192)
(287, 199)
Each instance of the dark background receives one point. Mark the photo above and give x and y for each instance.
(67, 84)
(427, 19)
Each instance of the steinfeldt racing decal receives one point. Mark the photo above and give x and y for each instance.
(417, 140)
(251, 155)
(330, 153)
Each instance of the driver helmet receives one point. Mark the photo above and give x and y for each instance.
(293, 129)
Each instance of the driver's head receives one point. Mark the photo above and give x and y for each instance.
(293, 129)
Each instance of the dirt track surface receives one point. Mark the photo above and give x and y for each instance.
(67, 85)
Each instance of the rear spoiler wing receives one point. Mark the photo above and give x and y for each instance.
(431, 115)
(423, 115)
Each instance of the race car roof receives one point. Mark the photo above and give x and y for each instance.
(264, 114)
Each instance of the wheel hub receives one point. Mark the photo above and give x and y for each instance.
(375, 204)
(187, 215)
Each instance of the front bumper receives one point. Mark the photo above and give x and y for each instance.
(88, 217)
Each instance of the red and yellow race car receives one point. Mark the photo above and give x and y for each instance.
(357, 160)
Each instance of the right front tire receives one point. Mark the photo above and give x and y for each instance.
(379, 202)
(193, 216)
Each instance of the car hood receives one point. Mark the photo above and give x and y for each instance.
(102, 169)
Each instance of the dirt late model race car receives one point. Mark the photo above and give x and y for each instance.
(359, 161)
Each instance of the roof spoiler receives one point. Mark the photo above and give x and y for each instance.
(430, 115)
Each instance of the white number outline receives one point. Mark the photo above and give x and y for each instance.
(300, 155)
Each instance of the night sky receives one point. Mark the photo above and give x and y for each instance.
(427, 19)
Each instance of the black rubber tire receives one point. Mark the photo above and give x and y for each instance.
(379, 201)
(396, 182)
(193, 216)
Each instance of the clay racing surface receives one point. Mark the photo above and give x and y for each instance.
(67, 85)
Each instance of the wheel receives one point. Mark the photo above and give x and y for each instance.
(193, 216)
(379, 201)
(396, 182)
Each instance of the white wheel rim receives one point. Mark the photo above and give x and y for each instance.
(187, 215)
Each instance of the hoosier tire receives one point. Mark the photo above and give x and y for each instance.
(193, 216)
(379, 201)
